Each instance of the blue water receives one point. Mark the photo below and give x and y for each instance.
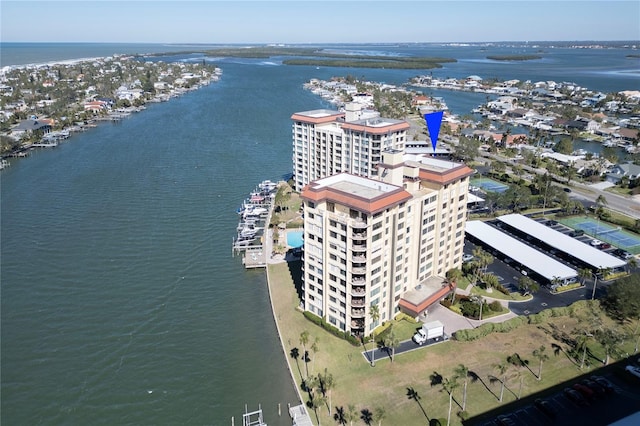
(121, 302)
(294, 239)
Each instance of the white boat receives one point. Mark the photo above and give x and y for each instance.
(247, 232)
(267, 186)
(254, 211)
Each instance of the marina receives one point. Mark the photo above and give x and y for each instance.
(254, 213)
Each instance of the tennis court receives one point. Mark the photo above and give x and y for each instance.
(489, 185)
(605, 232)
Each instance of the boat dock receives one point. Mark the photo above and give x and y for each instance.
(253, 227)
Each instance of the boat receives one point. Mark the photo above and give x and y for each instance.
(254, 211)
(267, 185)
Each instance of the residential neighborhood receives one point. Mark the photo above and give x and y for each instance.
(43, 104)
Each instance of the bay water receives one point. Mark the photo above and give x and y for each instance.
(121, 302)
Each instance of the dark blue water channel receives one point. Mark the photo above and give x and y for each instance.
(121, 302)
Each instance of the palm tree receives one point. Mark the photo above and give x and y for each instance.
(462, 372)
(315, 349)
(392, 342)
(601, 201)
(543, 182)
(502, 369)
(610, 341)
(378, 415)
(584, 273)
(453, 276)
(539, 353)
(527, 286)
(632, 263)
(351, 414)
(582, 341)
(449, 385)
(374, 314)
(295, 354)
(304, 339)
(490, 280)
(327, 383)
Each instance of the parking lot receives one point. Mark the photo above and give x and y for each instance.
(597, 409)
(508, 275)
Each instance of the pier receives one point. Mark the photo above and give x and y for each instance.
(253, 228)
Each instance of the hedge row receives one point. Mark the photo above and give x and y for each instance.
(331, 329)
(511, 324)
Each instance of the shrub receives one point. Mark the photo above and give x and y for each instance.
(446, 303)
(495, 306)
(331, 329)
(502, 289)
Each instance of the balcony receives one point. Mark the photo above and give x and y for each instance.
(359, 324)
(358, 291)
(359, 223)
(358, 303)
(359, 235)
(358, 258)
(359, 247)
(359, 270)
(358, 281)
(357, 313)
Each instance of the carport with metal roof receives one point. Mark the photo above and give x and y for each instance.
(574, 250)
(533, 260)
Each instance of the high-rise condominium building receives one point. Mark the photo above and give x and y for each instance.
(387, 241)
(327, 142)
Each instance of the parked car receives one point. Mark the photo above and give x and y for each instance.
(566, 190)
(506, 420)
(467, 257)
(633, 370)
(595, 242)
(576, 233)
(575, 397)
(551, 223)
(595, 387)
(546, 407)
(606, 384)
(604, 246)
(584, 390)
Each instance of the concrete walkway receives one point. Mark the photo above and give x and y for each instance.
(454, 322)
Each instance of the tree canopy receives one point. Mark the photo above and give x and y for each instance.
(622, 300)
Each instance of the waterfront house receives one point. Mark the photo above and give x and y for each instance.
(630, 170)
(42, 126)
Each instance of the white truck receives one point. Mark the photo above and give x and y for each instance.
(429, 330)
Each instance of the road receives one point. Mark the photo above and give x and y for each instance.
(581, 191)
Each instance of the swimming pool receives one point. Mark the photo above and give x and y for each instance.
(294, 239)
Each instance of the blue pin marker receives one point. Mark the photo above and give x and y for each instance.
(434, 120)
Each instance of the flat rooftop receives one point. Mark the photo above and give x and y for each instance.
(432, 163)
(357, 185)
(425, 290)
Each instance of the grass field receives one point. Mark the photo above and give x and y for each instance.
(387, 384)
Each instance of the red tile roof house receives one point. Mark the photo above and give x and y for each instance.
(96, 106)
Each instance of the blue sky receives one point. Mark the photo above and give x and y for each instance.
(305, 21)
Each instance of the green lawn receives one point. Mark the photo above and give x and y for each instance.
(386, 385)
(495, 294)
